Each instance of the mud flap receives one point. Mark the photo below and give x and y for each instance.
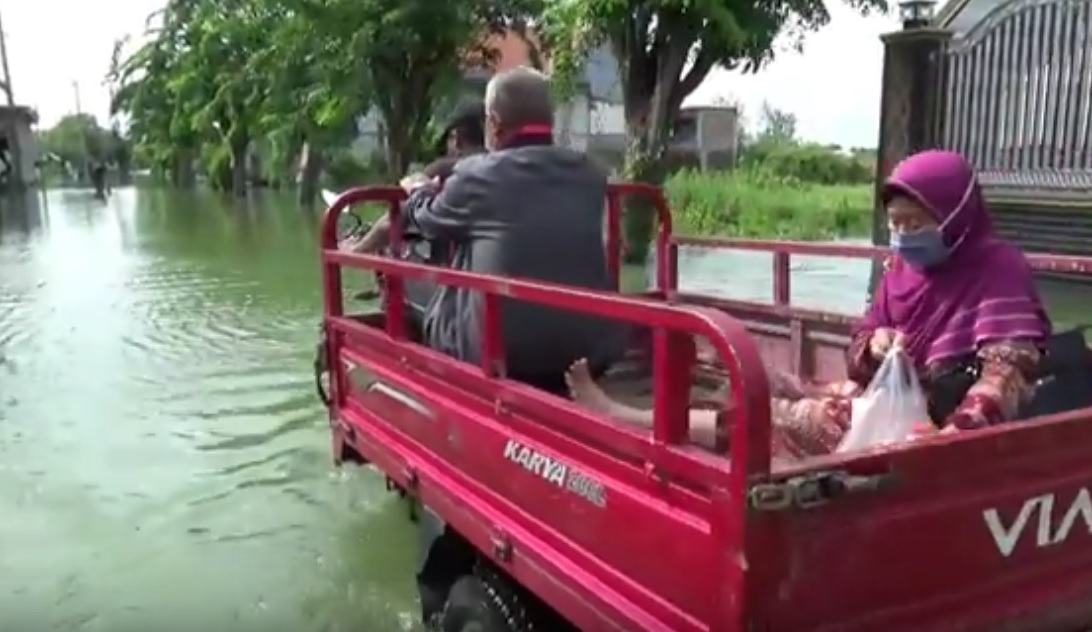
(321, 366)
(430, 528)
(432, 587)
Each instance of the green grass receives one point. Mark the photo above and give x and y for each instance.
(746, 203)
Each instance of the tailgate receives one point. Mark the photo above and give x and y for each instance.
(984, 531)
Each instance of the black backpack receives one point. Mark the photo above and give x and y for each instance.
(1064, 381)
(1065, 377)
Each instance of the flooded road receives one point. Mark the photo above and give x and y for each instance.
(162, 455)
(163, 459)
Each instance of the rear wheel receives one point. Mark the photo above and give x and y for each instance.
(484, 602)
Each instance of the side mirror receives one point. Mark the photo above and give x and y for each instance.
(349, 225)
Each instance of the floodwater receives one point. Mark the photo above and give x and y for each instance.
(163, 459)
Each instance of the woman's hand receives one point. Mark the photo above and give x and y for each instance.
(350, 244)
(415, 180)
(926, 430)
(371, 242)
(883, 339)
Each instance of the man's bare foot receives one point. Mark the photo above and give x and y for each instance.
(584, 390)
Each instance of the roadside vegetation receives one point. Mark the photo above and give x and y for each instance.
(783, 188)
(217, 87)
(756, 203)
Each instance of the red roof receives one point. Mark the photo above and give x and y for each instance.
(512, 50)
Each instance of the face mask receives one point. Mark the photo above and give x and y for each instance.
(921, 250)
(926, 248)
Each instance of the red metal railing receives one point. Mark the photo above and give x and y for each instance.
(667, 278)
(673, 328)
(620, 308)
(667, 274)
(783, 251)
(667, 244)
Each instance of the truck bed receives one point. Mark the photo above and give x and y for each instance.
(614, 529)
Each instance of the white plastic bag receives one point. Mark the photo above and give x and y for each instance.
(890, 408)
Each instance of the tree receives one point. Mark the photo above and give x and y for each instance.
(221, 79)
(78, 140)
(415, 53)
(403, 59)
(196, 85)
(318, 88)
(159, 88)
(778, 126)
(665, 49)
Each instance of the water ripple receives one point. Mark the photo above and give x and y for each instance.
(300, 422)
(156, 400)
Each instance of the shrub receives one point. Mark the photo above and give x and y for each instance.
(757, 203)
(345, 169)
(808, 162)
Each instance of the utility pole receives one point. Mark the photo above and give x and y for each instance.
(76, 90)
(4, 66)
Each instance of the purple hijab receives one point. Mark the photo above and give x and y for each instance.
(984, 292)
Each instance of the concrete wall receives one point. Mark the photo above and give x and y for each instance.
(573, 123)
(706, 138)
(369, 136)
(596, 113)
(594, 121)
(580, 124)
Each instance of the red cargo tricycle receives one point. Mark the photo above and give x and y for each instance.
(535, 514)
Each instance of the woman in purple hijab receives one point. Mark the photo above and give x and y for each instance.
(960, 301)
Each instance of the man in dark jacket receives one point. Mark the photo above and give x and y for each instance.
(464, 136)
(527, 209)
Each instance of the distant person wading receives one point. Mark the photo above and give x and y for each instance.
(98, 180)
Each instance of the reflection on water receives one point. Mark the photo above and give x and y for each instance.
(161, 451)
(830, 284)
(839, 285)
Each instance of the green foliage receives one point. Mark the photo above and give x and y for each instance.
(756, 203)
(216, 76)
(775, 149)
(345, 170)
(808, 162)
(666, 48)
(778, 127)
(77, 141)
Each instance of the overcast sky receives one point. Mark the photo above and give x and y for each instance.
(833, 87)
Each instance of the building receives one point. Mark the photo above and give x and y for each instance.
(596, 109)
(704, 137)
(594, 120)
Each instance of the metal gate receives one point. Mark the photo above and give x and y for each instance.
(1007, 83)
(1018, 94)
